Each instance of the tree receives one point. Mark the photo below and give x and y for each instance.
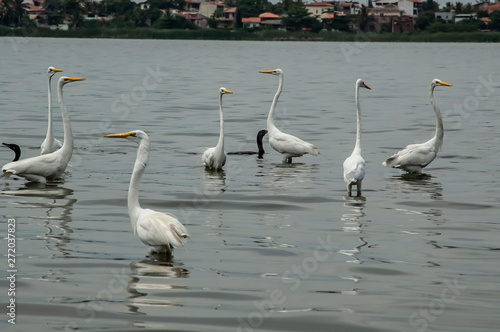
(340, 23)
(252, 8)
(297, 18)
(146, 18)
(495, 20)
(424, 20)
(170, 21)
(468, 8)
(73, 8)
(54, 13)
(430, 5)
(13, 12)
(365, 22)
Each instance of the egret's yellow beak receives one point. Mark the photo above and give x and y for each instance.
(227, 91)
(444, 83)
(266, 71)
(121, 135)
(74, 79)
(366, 86)
(56, 70)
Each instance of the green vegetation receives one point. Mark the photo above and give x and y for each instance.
(241, 34)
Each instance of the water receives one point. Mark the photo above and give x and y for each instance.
(273, 247)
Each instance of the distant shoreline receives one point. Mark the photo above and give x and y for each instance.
(264, 35)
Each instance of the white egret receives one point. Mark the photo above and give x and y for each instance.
(16, 149)
(158, 230)
(354, 165)
(215, 158)
(288, 145)
(414, 157)
(50, 144)
(52, 165)
(260, 153)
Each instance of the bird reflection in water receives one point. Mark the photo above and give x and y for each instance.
(51, 204)
(287, 175)
(410, 184)
(150, 280)
(214, 182)
(353, 223)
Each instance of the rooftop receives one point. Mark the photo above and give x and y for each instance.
(269, 15)
(319, 4)
(250, 20)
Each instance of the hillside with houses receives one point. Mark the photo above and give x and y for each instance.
(378, 16)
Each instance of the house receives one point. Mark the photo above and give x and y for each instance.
(404, 23)
(349, 8)
(492, 8)
(319, 9)
(208, 8)
(461, 17)
(445, 16)
(381, 3)
(198, 20)
(411, 7)
(270, 20)
(250, 22)
(227, 19)
(384, 15)
(33, 11)
(191, 6)
(481, 5)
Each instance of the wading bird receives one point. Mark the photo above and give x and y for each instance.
(16, 149)
(414, 157)
(289, 146)
(260, 153)
(160, 231)
(50, 144)
(52, 165)
(215, 158)
(354, 165)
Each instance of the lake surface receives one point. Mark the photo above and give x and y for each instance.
(274, 247)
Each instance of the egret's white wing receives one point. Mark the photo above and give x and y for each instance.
(413, 155)
(161, 229)
(289, 144)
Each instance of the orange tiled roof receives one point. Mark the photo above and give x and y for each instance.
(491, 8)
(33, 7)
(269, 15)
(230, 10)
(250, 20)
(220, 4)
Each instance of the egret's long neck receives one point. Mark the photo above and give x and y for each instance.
(438, 136)
(270, 117)
(358, 120)
(220, 144)
(49, 126)
(133, 189)
(68, 134)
